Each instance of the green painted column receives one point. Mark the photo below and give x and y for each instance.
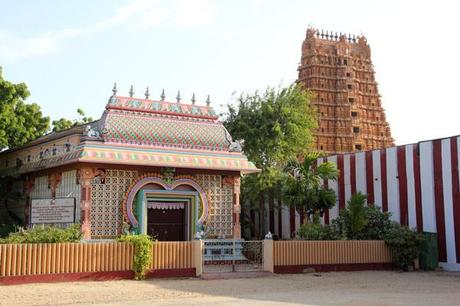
(140, 211)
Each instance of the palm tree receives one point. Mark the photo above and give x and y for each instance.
(304, 186)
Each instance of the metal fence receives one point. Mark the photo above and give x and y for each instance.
(226, 255)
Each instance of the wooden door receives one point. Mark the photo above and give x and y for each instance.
(166, 224)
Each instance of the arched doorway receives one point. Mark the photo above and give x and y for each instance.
(168, 211)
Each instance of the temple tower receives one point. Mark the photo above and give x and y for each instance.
(338, 69)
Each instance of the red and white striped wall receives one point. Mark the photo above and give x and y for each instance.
(417, 183)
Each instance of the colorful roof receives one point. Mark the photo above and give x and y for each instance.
(164, 130)
(144, 132)
(161, 107)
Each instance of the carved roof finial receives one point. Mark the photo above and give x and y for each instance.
(208, 101)
(147, 93)
(163, 96)
(131, 91)
(193, 99)
(114, 89)
(178, 97)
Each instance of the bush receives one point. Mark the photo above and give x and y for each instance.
(377, 225)
(353, 218)
(360, 222)
(42, 234)
(404, 244)
(7, 229)
(142, 253)
(315, 231)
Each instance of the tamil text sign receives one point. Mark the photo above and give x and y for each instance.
(52, 210)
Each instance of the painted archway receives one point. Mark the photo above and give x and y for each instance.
(151, 179)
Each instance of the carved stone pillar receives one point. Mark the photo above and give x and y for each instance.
(29, 184)
(85, 177)
(236, 208)
(53, 182)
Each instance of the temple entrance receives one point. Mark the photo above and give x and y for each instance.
(167, 221)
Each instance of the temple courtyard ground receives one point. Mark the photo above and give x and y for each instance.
(340, 288)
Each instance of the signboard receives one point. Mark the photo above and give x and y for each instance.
(61, 210)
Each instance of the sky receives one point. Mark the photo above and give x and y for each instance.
(70, 53)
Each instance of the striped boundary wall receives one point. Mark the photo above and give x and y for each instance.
(418, 183)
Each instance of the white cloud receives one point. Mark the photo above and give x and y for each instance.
(137, 14)
(150, 13)
(14, 47)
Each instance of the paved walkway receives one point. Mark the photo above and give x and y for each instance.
(339, 288)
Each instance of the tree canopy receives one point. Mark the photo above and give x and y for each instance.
(303, 187)
(19, 122)
(63, 123)
(274, 127)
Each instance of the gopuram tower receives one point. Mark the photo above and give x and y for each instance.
(338, 69)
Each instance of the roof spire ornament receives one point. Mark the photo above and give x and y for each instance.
(147, 93)
(193, 99)
(163, 96)
(114, 89)
(178, 97)
(131, 91)
(208, 101)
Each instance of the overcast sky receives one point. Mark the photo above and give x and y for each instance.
(70, 52)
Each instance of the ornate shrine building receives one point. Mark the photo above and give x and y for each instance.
(338, 69)
(168, 169)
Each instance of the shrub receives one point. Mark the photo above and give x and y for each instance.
(142, 253)
(315, 231)
(352, 219)
(43, 234)
(7, 229)
(361, 222)
(404, 244)
(377, 225)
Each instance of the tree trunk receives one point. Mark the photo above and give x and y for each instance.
(303, 216)
(261, 217)
(271, 205)
(280, 218)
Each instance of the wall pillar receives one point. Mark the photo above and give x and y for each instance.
(268, 255)
(85, 177)
(236, 208)
(198, 257)
(29, 184)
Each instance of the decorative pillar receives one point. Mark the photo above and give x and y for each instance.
(236, 208)
(29, 184)
(85, 176)
(53, 182)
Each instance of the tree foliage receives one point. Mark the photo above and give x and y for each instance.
(274, 127)
(361, 222)
(19, 122)
(63, 123)
(303, 186)
(353, 219)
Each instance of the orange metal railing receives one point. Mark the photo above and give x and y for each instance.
(330, 252)
(53, 258)
(172, 255)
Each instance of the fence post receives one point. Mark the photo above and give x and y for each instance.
(198, 256)
(268, 255)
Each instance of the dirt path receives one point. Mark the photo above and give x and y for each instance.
(346, 288)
